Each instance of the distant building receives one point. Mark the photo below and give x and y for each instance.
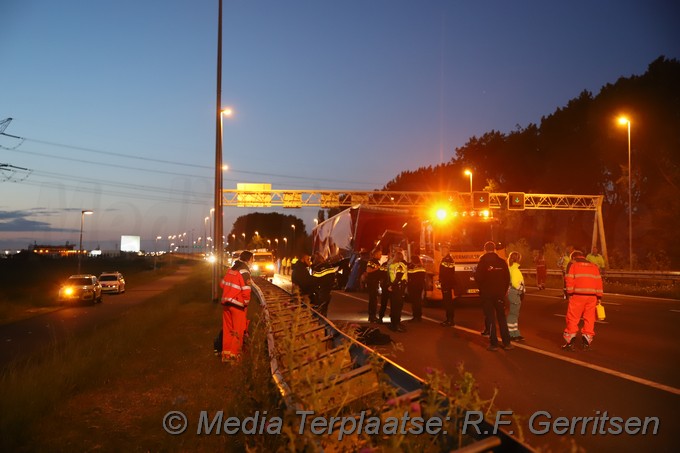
(54, 250)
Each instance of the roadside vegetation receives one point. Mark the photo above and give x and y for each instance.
(109, 390)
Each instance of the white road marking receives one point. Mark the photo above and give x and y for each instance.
(601, 369)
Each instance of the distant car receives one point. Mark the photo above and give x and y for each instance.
(81, 288)
(263, 265)
(112, 282)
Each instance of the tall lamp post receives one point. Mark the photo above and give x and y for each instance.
(626, 121)
(292, 242)
(469, 173)
(83, 213)
(155, 252)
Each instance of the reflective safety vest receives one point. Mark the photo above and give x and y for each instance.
(416, 269)
(583, 278)
(398, 271)
(597, 260)
(447, 272)
(235, 291)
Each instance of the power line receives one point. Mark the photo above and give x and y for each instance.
(184, 164)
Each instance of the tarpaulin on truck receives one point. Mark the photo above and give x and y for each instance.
(356, 228)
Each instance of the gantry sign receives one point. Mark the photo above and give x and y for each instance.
(261, 195)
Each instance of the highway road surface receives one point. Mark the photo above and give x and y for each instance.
(632, 371)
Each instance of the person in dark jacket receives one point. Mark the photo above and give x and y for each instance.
(323, 276)
(301, 277)
(493, 278)
(416, 286)
(447, 280)
(384, 294)
(373, 277)
(397, 273)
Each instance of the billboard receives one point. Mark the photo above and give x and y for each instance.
(129, 244)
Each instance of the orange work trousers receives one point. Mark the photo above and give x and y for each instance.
(234, 326)
(581, 306)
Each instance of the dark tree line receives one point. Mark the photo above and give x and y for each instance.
(268, 230)
(582, 149)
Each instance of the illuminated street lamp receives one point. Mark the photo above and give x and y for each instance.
(219, 168)
(155, 252)
(292, 244)
(624, 120)
(469, 173)
(285, 246)
(80, 246)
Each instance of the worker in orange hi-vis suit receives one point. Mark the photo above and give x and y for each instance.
(235, 298)
(584, 288)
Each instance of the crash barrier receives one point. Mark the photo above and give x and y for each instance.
(661, 276)
(319, 369)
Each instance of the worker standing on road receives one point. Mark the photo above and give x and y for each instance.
(541, 270)
(563, 264)
(584, 287)
(447, 280)
(301, 278)
(415, 287)
(323, 276)
(235, 298)
(515, 296)
(493, 277)
(597, 259)
(373, 276)
(398, 278)
(384, 293)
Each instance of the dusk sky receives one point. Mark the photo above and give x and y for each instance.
(115, 101)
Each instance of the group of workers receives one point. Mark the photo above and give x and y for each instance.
(393, 281)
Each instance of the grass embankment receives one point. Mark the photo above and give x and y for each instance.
(109, 391)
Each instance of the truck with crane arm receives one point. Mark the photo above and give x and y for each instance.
(360, 228)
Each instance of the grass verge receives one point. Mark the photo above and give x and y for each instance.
(109, 390)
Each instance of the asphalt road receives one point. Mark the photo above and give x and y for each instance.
(631, 371)
(22, 339)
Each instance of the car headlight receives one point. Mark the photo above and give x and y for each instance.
(68, 291)
(270, 267)
(256, 267)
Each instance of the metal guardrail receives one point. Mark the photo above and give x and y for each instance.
(346, 370)
(670, 276)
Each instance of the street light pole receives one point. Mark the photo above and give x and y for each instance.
(469, 173)
(292, 243)
(624, 120)
(217, 267)
(155, 252)
(83, 213)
